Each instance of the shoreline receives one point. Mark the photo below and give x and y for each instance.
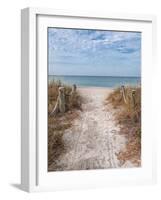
(111, 76)
(106, 87)
(94, 87)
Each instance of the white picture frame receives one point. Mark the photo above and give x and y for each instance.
(34, 176)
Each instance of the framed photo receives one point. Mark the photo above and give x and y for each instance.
(86, 99)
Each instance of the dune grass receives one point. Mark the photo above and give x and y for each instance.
(59, 123)
(128, 115)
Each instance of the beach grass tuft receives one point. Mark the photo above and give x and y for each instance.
(61, 121)
(129, 117)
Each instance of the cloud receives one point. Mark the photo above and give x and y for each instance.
(74, 41)
(92, 47)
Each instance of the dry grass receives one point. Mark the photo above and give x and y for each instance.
(59, 123)
(72, 102)
(129, 118)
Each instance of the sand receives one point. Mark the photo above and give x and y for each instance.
(94, 139)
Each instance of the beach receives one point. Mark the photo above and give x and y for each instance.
(94, 140)
(94, 99)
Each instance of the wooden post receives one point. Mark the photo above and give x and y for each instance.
(133, 98)
(60, 103)
(73, 89)
(55, 110)
(123, 93)
(61, 100)
(133, 95)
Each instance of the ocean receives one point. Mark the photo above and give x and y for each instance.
(96, 81)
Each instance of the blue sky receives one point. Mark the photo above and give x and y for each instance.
(93, 52)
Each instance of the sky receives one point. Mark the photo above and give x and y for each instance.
(93, 52)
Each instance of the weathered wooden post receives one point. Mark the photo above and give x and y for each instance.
(73, 89)
(61, 100)
(60, 103)
(55, 110)
(72, 95)
(123, 93)
(133, 93)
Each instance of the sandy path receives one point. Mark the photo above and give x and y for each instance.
(93, 140)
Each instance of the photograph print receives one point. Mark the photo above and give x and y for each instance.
(94, 99)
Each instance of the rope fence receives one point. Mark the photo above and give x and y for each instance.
(60, 105)
(124, 96)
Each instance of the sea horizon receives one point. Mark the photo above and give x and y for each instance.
(96, 81)
(97, 76)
